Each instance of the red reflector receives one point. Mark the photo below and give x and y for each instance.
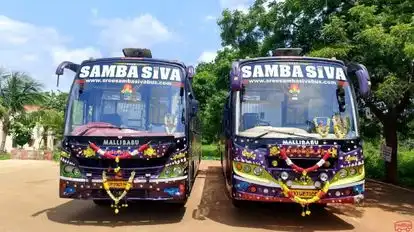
(253, 189)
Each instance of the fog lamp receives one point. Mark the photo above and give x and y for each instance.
(284, 175)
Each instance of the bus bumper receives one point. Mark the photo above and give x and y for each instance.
(244, 189)
(172, 189)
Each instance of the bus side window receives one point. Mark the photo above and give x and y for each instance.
(226, 117)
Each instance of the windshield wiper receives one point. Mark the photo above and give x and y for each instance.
(285, 133)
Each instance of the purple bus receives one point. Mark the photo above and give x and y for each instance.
(131, 131)
(290, 130)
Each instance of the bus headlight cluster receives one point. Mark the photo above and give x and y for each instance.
(71, 171)
(172, 171)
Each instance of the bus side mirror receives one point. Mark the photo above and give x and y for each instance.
(194, 107)
(364, 80)
(61, 69)
(235, 78)
(190, 73)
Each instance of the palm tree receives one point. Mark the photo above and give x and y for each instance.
(17, 89)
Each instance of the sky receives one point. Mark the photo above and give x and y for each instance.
(35, 36)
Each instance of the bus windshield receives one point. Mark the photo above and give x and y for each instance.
(284, 100)
(101, 106)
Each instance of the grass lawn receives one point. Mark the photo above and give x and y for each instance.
(4, 156)
(374, 164)
(210, 152)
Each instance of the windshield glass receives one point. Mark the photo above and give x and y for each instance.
(295, 100)
(105, 105)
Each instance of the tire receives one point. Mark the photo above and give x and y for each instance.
(102, 202)
(189, 181)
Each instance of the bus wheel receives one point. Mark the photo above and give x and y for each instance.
(102, 202)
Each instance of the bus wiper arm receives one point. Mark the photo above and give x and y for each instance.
(111, 127)
(285, 133)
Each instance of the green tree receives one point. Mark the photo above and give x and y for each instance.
(16, 90)
(381, 37)
(293, 23)
(21, 128)
(50, 117)
(211, 84)
(55, 100)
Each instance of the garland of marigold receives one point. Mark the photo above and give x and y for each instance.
(322, 130)
(340, 128)
(304, 202)
(289, 193)
(305, 171)
(111, 195)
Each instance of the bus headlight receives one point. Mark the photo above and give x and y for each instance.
(352, 171)
(343, 173)
(258, 171)
(76, 172)
(247, 168)
(178, 170)
(168, 172)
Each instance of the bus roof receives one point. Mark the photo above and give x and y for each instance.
(290, 58)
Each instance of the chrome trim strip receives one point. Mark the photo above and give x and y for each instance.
(274, 185)
(348, 185)
(73, 179)
(160, 180)
(135, 180)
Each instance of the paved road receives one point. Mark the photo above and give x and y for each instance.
(29, 202)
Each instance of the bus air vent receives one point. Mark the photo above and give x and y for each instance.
(137, 52)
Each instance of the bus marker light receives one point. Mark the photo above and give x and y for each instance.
(323, 176)
(253, 189)
(239, 166)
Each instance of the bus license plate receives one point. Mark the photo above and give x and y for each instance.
(305, 193)
(117, 184)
